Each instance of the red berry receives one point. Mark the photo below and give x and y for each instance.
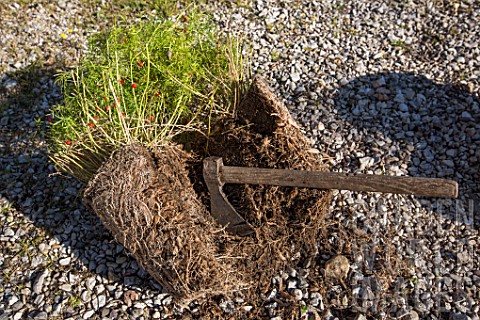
(96, 117)
(91, 125)
(157, 94)
(123, 114)
(122, 81)
(134, 85)
(140, 63)
(49, 119)
(107, 108)
(68, 142)
(184, 19)
(105, 98)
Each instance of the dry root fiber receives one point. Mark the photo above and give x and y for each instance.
(288, 221)
(146, 200)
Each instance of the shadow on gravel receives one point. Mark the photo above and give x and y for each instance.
(29, 181)
(435, 126)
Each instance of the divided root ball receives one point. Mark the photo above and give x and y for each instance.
(288, 221)
(148, 204)
(149, 201)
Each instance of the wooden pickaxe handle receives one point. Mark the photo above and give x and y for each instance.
(216, 175)
(430, 187)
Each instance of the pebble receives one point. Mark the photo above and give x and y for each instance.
(39, 299)
(448, 163)
(365, 162)
(297, 294)
(66, 287)
(10, 84)
(18, 315)
(90, 283)
(8, 232)
(292, 283)
(337, 268)
(38, 283)
(17, 306)
(99, 302)
(85, 296)
(403, 107)
(137, 313)
(295, 77)
(88, 314)
(247, 308)
(42, 315)
(139, 305)
(466, 116)
(12, 300)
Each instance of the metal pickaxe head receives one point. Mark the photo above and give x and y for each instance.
(221, 209)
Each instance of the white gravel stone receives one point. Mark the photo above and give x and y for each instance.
(18, 315)
(12, 300)
(64, 261)
(88, 314)
(38, 283)
(297, 294)
(295, 77)
(8, 232)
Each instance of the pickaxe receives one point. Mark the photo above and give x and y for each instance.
(216, 175)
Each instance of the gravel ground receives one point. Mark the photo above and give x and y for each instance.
(378, 86)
